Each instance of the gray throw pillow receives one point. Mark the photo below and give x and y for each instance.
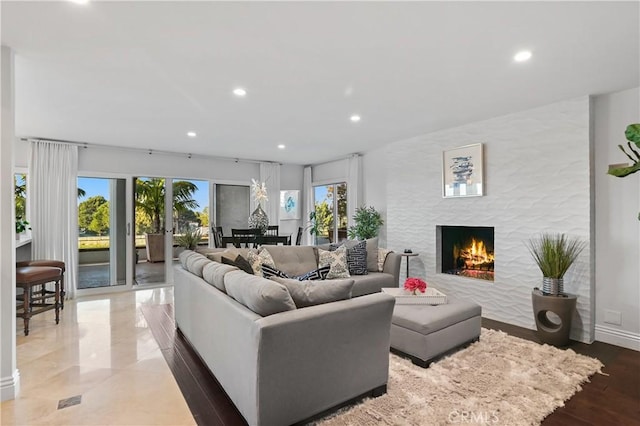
(372, 254)
(310, 293)
(262, 296)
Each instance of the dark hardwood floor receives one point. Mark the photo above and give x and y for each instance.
(612, 399)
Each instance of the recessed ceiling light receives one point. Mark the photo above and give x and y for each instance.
(523, 56)
(240, 92)
(79, 1)
(192, 134)
(282, 146)
(355, 118)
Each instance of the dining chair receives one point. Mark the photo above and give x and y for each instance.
(273, 230)
(217, 236)
(249, 237)
(299, 236)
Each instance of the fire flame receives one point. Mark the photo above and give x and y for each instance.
(476, 254)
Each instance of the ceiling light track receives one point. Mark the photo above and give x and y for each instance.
(144, 151)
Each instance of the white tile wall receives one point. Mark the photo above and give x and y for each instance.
(536, 179)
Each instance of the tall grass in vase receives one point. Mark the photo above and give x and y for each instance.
(554, 254)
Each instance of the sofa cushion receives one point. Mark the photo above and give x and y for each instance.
(195, 263)
(356, 255)
(262, 296)
(336, 260)
(372, 283)
(309, 293)
(372, 254)
(214, 273)
(184, 256)
(293, 260)
(259, 257)
(382, 257)
(239, 262)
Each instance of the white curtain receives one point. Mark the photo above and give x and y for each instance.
(270, 175)
(53, 206)
(307, 205)
(354, 197)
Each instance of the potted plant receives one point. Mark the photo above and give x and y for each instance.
(150, 194)
(554, 254)
(367, 223)
(21, 226)
(632, 134)
(190, 239)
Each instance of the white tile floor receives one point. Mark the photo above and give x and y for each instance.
(103, 351)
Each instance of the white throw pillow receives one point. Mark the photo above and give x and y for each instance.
(336, 260)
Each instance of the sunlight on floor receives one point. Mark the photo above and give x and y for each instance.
(100, 365)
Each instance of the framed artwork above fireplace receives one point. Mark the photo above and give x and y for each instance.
(463, 172)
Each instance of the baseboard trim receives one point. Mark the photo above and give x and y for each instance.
(625, 339)
(10, 386)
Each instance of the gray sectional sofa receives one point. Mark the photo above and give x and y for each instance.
(288, 366)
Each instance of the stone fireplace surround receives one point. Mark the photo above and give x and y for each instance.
(537, 175)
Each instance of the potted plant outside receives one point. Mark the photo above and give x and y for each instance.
(21, 226)
(367, 223)
(632, 134)
(190, 239)
(150, 195)
(554, 254)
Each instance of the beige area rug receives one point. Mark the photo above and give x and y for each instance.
(499, 380)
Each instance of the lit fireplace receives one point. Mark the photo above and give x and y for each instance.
(467, 251)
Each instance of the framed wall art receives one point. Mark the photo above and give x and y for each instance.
(463, 172)
(289, 204)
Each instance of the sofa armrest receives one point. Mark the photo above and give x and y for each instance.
(392, 266)
(314, 358)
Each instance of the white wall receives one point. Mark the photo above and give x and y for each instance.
(9, 375)
(374, 185)
(537, 175)
(617, 224)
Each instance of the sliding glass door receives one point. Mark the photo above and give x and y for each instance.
(331, 212)
(102, 232)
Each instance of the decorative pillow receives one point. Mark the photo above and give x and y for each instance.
(315, 275)
(262, 296)
(382, 256)
(309, 293)
(214, 273)
(372, 254)
(230, 253)
(336, 260)
(356, 256)
(268, 271)
(239, 262)
(258, 258)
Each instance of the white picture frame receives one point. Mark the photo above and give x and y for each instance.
(463, 172)
(289, 204)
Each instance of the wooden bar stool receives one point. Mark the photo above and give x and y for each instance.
(54, 263)
(34, 302)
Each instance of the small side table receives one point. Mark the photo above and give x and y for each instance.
(556, 334)
(408, 255)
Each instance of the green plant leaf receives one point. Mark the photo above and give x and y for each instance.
(633, 133)
(624, 171)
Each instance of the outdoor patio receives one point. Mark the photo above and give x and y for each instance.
(97, 275)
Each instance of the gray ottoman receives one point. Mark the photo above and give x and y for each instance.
(425, 332)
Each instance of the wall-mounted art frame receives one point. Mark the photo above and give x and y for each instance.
(289, 204)
(463, 172)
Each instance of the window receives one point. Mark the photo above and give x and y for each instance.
(20, 193)
(331, 203)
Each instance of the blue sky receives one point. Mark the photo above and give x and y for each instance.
(100, 186)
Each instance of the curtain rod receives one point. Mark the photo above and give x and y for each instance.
(142, 150)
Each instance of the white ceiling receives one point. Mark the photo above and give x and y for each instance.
(142, 74)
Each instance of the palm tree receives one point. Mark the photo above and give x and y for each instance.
(150, 195)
